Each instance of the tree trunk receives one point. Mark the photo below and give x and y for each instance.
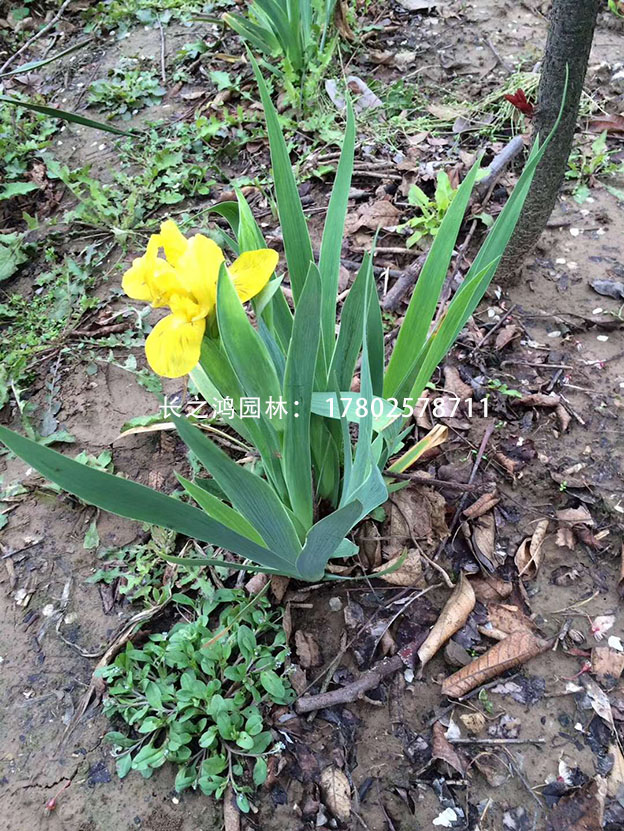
(570, 36)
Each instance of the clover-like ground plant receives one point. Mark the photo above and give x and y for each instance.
(320, 467)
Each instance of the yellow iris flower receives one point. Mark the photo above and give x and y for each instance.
(186, 281)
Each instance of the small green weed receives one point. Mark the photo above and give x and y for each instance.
(128, 89)
(121, 14)
(140, 569)
(432, 211)
(585, 163)
(23, 135)
(194, 696)
(30, 324)
(499, 386)
(298, 35)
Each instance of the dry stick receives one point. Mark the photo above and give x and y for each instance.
(486, 437)
(417, 479)
(497, 741)
(403, 285)
(499, 163)
(163, 53)
(499, 59)
(36, 36)
(495, 328)
(367, 681)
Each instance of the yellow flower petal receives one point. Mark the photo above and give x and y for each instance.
(183, 307)
(174, 345)
(252, 271)
(173, 241)
(198, 270)
(134, 282)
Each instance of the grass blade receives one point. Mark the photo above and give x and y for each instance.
(333, 233)
(298, 384)
(32, 65)
(130, 499)
(218, 510)
(413, 332)
(297, 242)
(65, 115)
(252, 496)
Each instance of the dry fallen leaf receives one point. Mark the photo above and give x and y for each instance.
(607, 665)
(452, 617)
(563, 417)
(341, 20)
(454, 384)
(621, 580)
(529, 554)
(483, 540)
(409, 573)
(307, 649)
(368, 539)
(418, 5)
(599, 700)
(494, 767)
(373, 215)
(336, 792)
(442, 749)
(491, 588)
(279, 586)
(506, 335)
(416, 513)
(538, 399)
(565, 538)
(615, 777)
(482, 505)
(473, 722)
(574, 516)
(582, 810)
(611, 123)
(516, 649)
(508, 619)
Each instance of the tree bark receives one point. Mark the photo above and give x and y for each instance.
(569, 41)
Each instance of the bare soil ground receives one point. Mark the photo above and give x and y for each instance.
(534, 735)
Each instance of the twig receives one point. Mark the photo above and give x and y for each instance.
(460, 507)
(351, 692)
(499, 163)
(405, 282)
(497, 741)
(499, 59)
(418, 479)
(494, 328)
(163, 53)
(36, 36)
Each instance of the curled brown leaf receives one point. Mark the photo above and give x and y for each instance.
(514, 650)
(482, 505)
(452, 618)
(443, 750)
(529, 554)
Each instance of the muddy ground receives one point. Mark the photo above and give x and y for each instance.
(568, 342)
